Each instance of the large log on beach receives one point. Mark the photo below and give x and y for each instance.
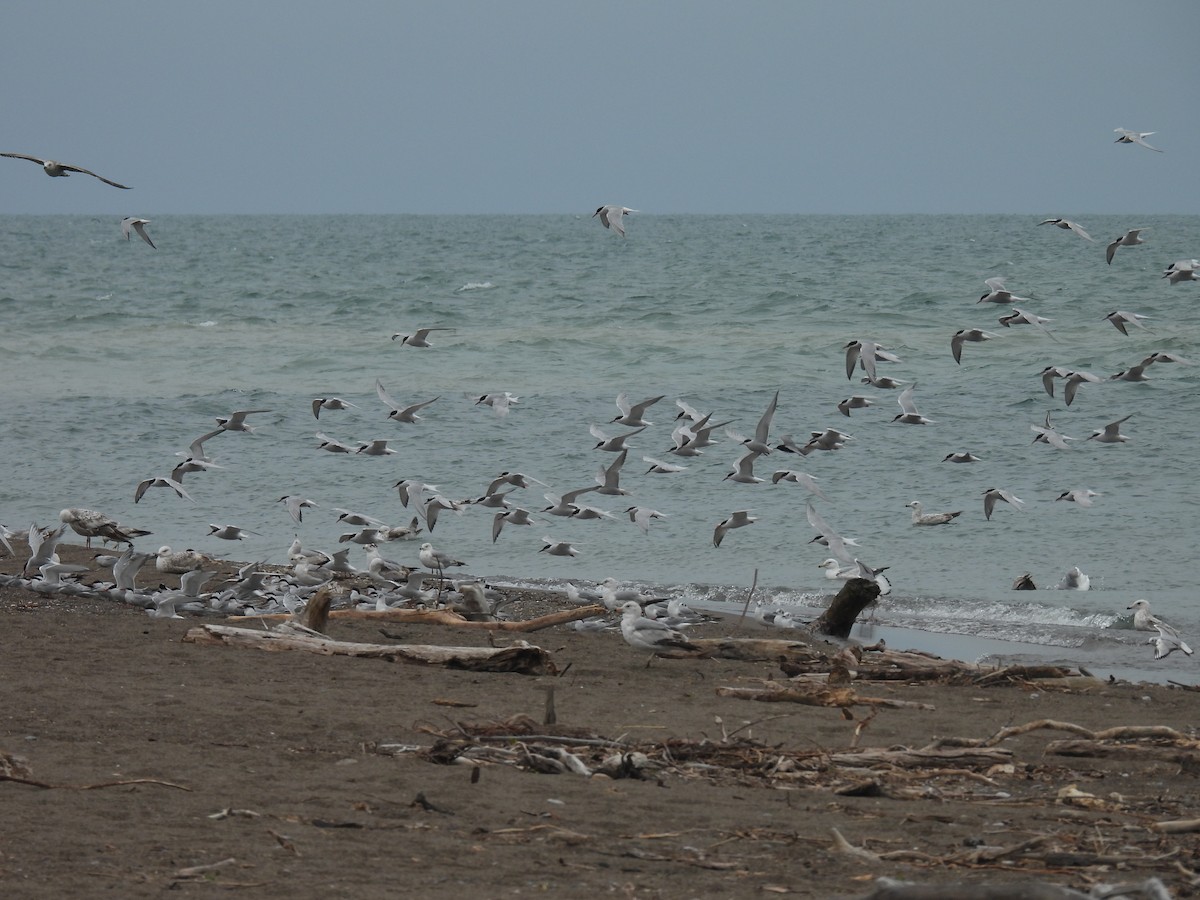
(855, 596)
(446, 617)
(814, 695)
(523, 658)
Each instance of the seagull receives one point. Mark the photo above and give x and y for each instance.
(228, 532)
(1120, 319)
(909, 414)
(296, 505)
(1182, 270)
(857, 401)
(1134, 137)
(632, 413)
(641, 516)
(182, 561)
(61, 170)
(991, 495)
(998, 294)
(920, 518)
(237, 420)
(171, 483)
(401, 414)
(87, 523)
(835, 571)
(321, 403)
(642, 633)
(1110, 433)
(1144, 620)
(808, 482)
(611, 217)
(962, 456)
(1166, 644)
(967, 334)
(1075, 580)
(420, 337)
(1168, 638)
(739, 519)
(1068, 225)
(1128, 239)
(1080, 496)
(436, 560)
(132, 223)
(558, 548)
(1024, 583)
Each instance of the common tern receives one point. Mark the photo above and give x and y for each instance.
(1128, 239)
(132, 223)
(611, 217)
(1134, 137)
(419, 338)
(1068, 225)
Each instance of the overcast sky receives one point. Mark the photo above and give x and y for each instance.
(524, 106)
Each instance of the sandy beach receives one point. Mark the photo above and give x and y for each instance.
(137, 761)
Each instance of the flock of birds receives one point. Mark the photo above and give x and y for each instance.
(646, 623)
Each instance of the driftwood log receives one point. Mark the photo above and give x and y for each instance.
(855, 596)
(813, 695)
(446, 617)
(523, 659)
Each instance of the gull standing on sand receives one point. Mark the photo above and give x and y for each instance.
(991, 495)
(1128, 239)
(739, 519)
(133, 223)
(62, 170)
(420, 337)
(611, 216)
(88, 523)
(642, 633)
(1168, 638)
(1134, 137)
(922, 518)
(436, 560)
(1068, 225)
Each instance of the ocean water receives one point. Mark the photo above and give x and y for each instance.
(118, 356)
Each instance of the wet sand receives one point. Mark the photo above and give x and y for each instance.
(292, 774)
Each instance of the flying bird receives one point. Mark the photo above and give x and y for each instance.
(1134, 137)
(1067, 224)
(62, 170)
(1110, 433)
(1182, 270)
(171, 483)
(991, 495)
(611, 216)
(975, 335)
(1128, 239)
(739, 519)
(321, 403)
(420, 337)
(1121, 319)
(132, 223)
